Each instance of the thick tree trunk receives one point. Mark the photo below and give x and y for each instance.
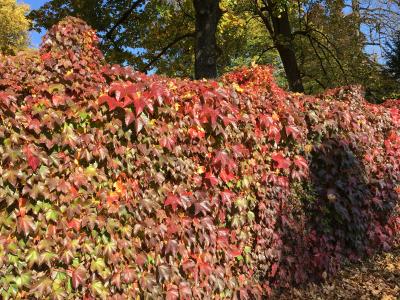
(292, 71)
(208, 14)
(283, 41)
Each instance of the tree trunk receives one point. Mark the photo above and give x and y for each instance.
(355, 7)
(283, 41)
(208, 14)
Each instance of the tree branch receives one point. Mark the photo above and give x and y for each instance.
(124, 17)
(263, 52)
(165, 49)
(321, 45)
(318, 56)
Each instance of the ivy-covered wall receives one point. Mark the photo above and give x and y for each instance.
(118, 185)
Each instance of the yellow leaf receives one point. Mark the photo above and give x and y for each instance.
(238, 88)
(388, 297)
(308, 148)
(119, 187)
(201, 170)
(188, 95)
(171, 85)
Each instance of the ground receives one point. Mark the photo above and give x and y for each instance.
(376, 278)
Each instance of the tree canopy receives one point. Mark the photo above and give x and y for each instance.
(315, 44)
(393, 56)
(14, 26)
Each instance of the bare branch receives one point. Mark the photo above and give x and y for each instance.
(166, 48)
(124, 17)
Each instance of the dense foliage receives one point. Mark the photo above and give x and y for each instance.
(393, 56)
(114, 183)
(14, 26)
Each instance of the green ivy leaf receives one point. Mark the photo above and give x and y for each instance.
(98, 265)
(23, 280)
(51, 215)
(32, 257)
(99, 290)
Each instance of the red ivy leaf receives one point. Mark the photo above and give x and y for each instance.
(201, 207)
(25, 224)
(221, 159)
(157, 91)
(46, 56)
(211, 114)
(139, 124)
(128, 275)
(139, 104)
(211, 178)
(140, 259)
(118, 90)
(227, 120)
(240, 150)
(167, 142)
(172, 293)
(274, 268)
(293, 131)
(194, 132)
(274, 133)
(173, 201)
(78, 277)
(226, 197)
(129, 117)
(58, 100)
(116, 280)
(205, 268)
(234, 251)
(225, 175)
(172, 247)
(266, 121)
(188, 265)
(185, 290)
(74, 224)
(301, 163)
(283, 163)
(33, 161)
(34, 124)
(111, 102)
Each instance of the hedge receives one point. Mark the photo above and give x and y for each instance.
(115, 184)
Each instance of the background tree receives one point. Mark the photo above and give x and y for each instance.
(146, 34)
(114, 21)
(334, 40)
(330, 47)
(207, 16)
(392, 67)
(274, 14)
(378, 20)
(316, 44)
(393, 56)
(14, 26)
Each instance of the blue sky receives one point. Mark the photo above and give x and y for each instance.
(34, 4)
